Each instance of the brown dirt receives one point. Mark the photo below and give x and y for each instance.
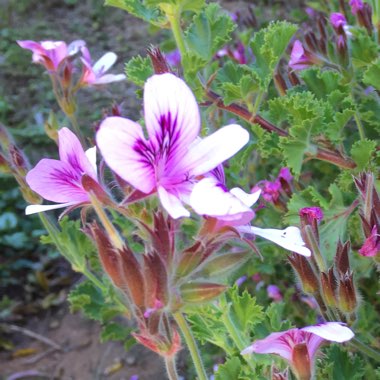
(82, 357)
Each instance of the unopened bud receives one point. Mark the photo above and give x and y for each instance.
(67, 74)
(18, 160)
(328, 286)
(280, 84)
(347, 294)
(309, 281)
(160, 65)
(342, 263)
(51, 127)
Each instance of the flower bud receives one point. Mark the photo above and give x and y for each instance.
(160, 65)
(309, 281)
(328, 287)
(18, 160)
(347, 294)
(342, 263)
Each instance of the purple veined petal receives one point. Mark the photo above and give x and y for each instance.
(275, 343)
(72, 153)
(34, 209)
(208, 153)
(172, 204)
(91, 156)
(211, 198)
(171, 115)
(75, 46)
(332, 331)
(249, 199)
(86, 56)
(56, 51)
(104, 63)
(108, 78)
(56, 181)
(127, 153)
(290, 238)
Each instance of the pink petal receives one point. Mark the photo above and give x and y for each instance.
(56, 181)
(72, 153)
(31, 45)
(56, 51)
(172, 204)
(207, 154)
(171, 114)
(275, 343)
(209, 197)
(34, 209)
(126, 152)
(104, 63)
(290, 238)
(91, 156)
(332, 331)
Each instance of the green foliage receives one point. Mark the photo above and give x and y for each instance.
(114, 331)
(362, 151)
(72, 243)
(139, 9)
(341, 365)
(138, 70)
(229, 370)
(371, 76)
(364, 49)
(268, 45)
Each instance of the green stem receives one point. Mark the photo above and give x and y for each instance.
(174, 20)
(355, 342)
(256, 106)
(320, 260)
(75, 125)
(359, 125)
(171, 368)
(192, 345)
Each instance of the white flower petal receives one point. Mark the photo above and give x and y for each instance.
(34, 209)
(333, 331)
(172, 204)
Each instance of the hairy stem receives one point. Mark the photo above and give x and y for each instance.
(365, 349)
(191, 345)
(171, 368)
(174, 20)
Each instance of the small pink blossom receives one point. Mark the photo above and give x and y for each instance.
(270, 191)
(94, 74)
(173, 159)
(274, 292)
(371, 246)
(241, 280)
(60, 180)
(338, 20)
(356, 6)
(300, 346)
(174, 58)
(51, 54)
(300, 58)
(311, 214)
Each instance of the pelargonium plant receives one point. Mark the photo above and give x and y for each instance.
(173, 207)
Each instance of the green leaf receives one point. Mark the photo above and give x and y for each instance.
(138, 9)
(362, 151)
(371, 76)
(229, 370)
(244, 310)
(339, 364)
(209, 31)
(114, 331)
(268, 45)
(138, 70)
(296, 146)
(364, 50)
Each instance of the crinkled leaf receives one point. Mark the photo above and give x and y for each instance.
(244, 310)
(364, 50)
(229, 370)
(139, 9)
(114, 331)
(268, 45)
(209, 31)
(371, 76)
(138, 70)
(362, 151)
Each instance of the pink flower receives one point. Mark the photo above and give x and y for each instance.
(311, 214)
(356, 6)
(51, 54)
(371, 246)
(274, 292)
(60, 180)
(270, 191)
(300, 58)
(173, 57)
(337, 20)
(173, 158)
(94, 74)
(299, 346)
